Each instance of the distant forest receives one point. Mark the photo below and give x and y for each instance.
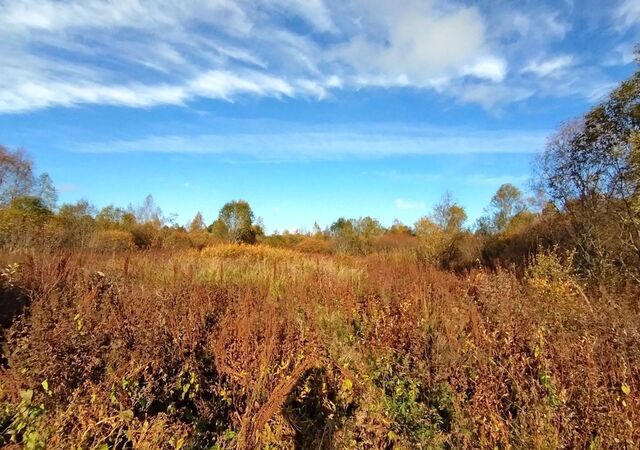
(584, 201)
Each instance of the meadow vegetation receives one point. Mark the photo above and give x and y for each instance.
(123, 329)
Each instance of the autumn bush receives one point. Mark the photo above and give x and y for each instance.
(240, 346)
(113, 240)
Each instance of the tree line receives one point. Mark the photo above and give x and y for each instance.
(586, 202)
(29, 217)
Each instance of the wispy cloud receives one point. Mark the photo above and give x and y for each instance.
(221, 85)
(404, 46)
(402, 203)
(142, 53)
(620, 55)
(327, 143)
(550, 66)
(627, 13)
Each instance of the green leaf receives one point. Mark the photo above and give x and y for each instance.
(45, 387)
(185, 389)
(112, 396)
(27, 395)
(228, 435)
(78, 320)
(626, 389)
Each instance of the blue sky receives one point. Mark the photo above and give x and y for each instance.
(308, 109)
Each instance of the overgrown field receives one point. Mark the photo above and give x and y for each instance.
(255, 347)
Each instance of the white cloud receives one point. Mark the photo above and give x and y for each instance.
(33, 95)
(402, 203)
(627, 13)
(141, 53)
(215, 85)
(620, 55)
(584, 82)
(598, 92)
(533, 26)
(490, 96)
(420, 44)
(491, 68)
(25, 16)
(220, 84)
(314, 12)
(134, 53)
(549, 67)
(288, 143)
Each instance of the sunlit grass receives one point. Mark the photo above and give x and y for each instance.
(241, 346)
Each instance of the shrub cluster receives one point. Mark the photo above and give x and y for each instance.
(254, 347)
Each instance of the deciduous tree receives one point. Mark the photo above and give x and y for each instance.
(197, 224)
(590, 171)
(235, 222)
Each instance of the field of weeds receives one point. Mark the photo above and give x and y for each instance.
(237, 347)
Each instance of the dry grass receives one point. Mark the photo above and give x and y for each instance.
(257, 347)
